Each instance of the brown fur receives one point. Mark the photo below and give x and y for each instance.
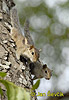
(40, 71)
(23, 48)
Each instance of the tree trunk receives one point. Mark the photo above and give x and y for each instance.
(17, 71)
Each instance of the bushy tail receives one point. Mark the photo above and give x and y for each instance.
(15, 19)
(27, 33)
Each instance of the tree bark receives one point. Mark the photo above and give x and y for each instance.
(17, 71)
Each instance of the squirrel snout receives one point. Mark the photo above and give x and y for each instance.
(47, 78)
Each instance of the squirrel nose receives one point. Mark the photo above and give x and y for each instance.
(47, 78)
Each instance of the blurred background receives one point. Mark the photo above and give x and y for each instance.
(49, 28)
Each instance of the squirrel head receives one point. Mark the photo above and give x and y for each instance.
(47, 72)
(32, 53)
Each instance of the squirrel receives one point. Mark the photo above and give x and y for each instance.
(40, 71)
(37, 68)
(23, 48)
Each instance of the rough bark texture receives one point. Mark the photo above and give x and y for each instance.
(17, 71)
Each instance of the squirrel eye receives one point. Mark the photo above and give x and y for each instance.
(32, 53)
(45, 71)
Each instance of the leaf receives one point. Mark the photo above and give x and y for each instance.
(1, 92)
(36, 85)
(14, 92)
(2, 74)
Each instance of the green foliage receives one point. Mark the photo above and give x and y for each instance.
(2, 74)
(1, 92)
(36, 85)
(65, 5)
(14, 92)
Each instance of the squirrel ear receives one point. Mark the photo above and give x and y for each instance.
(44, 66)
(31, 47)
(40, 50)
(25, 41)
